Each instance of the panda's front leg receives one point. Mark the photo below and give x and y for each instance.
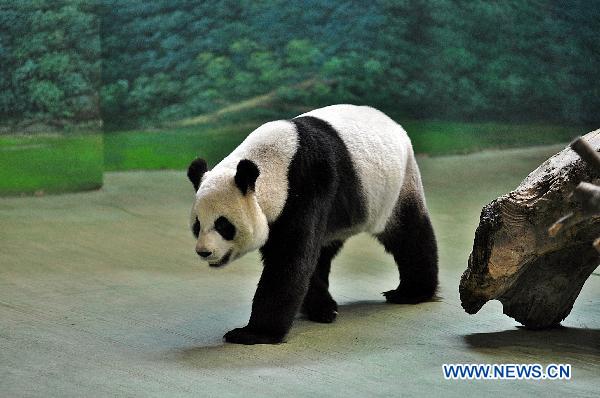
(290, 258)
(282, 287)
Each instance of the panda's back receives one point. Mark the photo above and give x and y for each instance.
(380, 150)
(377, 150)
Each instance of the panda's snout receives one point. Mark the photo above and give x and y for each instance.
(203, 254)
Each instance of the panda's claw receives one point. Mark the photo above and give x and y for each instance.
(249, 337)
(320, 309)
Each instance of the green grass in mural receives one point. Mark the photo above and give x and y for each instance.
(443, 138)
(64, 163)
(50, 163)
(174, 148)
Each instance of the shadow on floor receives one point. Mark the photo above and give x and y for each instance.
(560, 341)
(307, 340)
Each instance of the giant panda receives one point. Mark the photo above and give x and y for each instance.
(297, 189)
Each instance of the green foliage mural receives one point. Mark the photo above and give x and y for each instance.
(49, 62)
(445, 59)
(168, 60)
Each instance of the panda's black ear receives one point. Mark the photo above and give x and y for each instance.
(196, 171)
(246, 175)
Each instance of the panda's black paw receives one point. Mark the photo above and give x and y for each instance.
(322, 315)
(407, 296)
(324, 311)
(247, 336)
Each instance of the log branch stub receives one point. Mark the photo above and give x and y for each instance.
(587, 153)
(537, 277)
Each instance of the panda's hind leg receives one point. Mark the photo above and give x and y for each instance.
(409, 237)
(318, 305)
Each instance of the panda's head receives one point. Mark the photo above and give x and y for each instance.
(226, 218)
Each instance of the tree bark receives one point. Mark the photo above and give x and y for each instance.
(535, 276)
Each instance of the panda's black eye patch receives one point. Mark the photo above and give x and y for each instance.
(225, 228)
(196, 228)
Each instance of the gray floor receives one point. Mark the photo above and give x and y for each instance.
(101, 294)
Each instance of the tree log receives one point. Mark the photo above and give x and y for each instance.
(535, 276)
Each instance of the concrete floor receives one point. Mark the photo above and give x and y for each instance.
(101, 294)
